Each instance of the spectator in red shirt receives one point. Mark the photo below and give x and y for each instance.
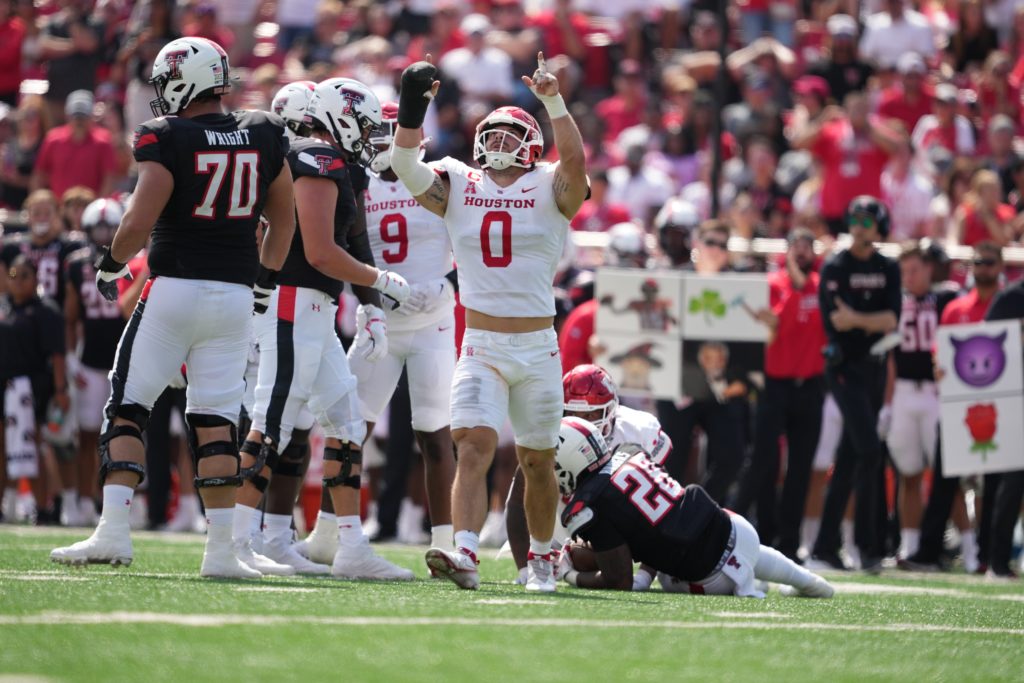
(626, 107)
(852, 148)
(77, 153)
(793, 395)
(568, 32)
(597, 213)
(982, 215)
(12, 34)
(907, 100)
(575, 342)
(997, 91)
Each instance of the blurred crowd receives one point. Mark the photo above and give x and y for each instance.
(916, 102)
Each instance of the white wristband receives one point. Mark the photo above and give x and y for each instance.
(554, 104)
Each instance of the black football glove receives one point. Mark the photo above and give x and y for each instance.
(414, 97)
(108, 272)
(266, 281)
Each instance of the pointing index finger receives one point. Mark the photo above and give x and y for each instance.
(542, 64)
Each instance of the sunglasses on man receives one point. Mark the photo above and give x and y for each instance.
(715, 243)
(985, 262)
(865, 222)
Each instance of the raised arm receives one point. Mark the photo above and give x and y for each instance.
(419, 86)
(570, 183)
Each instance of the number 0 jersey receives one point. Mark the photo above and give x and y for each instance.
(676, 529)
(409, 240)
(222, 166)
(918, 319)
(507, 240)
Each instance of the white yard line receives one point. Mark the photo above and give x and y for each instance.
(514, 601)
(219, 620)
(278, 589)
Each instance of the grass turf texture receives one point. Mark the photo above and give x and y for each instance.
(158, 621)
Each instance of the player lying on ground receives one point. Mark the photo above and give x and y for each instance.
(627, 508)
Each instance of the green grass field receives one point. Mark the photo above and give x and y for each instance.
(158, 621)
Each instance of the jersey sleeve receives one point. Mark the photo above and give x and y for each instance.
(151, 143)
(318, 162)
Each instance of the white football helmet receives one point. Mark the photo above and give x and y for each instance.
(100, 220)
(531, 144)
(185, 70)
(581, 451)
(350, 112)
(290, 104)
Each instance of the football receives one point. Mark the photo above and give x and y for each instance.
(583, 557)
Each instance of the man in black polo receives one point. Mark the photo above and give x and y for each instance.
(860, 303)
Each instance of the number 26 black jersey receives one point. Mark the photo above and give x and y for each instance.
(222, 166)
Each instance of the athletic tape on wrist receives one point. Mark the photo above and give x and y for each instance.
(410, 169)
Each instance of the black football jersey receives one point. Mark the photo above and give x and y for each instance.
(222, 166)
(317, 159)
(676, 529)
(918, 319)
(102, 322)
(49, 259)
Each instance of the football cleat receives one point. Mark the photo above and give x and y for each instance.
(321, 545)
(221, 563)
(105, 546)
(282, 550)
(361, 562)
(819, 588)
(458, 566)
(540, 573)
(261, 563)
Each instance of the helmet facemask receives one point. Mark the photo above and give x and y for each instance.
(496, 158)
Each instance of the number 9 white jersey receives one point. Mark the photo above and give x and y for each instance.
(507, 240)
(409, 240)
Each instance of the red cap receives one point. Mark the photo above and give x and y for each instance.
(812, 85)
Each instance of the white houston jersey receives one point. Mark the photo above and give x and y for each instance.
(409, 240)
(643, 429)
(507, 240)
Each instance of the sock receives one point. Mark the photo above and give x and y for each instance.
(350, 530)
(256, 527)
(69, 499)
(442, 536)
(218, 526)
(241, 526)
(470, 540)
(775, 567)
(910, 540)
(276, 526)
(539, 548)
(188, 504)
(326, 523)
(809, 533)
(117, 501)
(969, 549)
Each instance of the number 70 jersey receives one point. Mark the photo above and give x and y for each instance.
(507, 240)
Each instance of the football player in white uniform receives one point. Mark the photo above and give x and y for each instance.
(508, 223)
(414, 243)
(589, 393)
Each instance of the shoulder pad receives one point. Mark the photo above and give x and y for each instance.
(576, 516)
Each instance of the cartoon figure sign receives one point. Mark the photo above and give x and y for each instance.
(982, 397)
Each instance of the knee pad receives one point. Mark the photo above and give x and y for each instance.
(107, 464)
(348, 457)
(265, 456)
(294, 460)
(132, 412)
(229, 447)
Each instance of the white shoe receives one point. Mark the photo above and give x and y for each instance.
(458, 566)
(410, 524)
(283, 551)
(521, 577)
(180, 522)
(87, 512)
(361, 562)
(138, 513)
(493, 534)
(540, 574)
(320, 547)
(820, 588)
(105, 546)
(222, 564)
(261, 563)
(69, 515)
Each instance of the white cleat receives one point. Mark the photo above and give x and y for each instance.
(361, 562)
(458, 566)
(283, 551)
(87, 512)
(264, 565)
(540, 574)
(318, 547)
(222, 564)
(522, 577)
(819, 588)
(103, 547)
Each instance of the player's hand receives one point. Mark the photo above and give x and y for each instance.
(884, 422)
(266, 282)
(371, 333)
(393, 287)
(543, 83)
(108, 272)
(427, 296)
(843, 318)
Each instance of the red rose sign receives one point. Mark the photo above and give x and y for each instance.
(981, 421)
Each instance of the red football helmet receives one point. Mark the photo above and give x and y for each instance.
(531, 145)
(587, 388)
